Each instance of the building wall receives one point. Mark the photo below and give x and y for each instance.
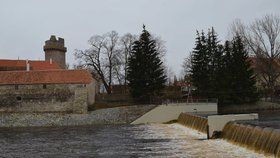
(91, 92)
(71, 98)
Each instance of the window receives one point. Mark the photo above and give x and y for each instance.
(18, 98)
(44, 86)
(16, 87)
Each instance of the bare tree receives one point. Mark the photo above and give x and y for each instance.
(160, 46)
(102, 57)
(187, 66)
(263, 39)
(126, 41)
(170, 75)
(112, 56)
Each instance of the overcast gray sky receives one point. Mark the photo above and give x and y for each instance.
(25, 25)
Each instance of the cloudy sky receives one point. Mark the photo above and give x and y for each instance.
(25, 25)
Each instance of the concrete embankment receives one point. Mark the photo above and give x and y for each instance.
(120, 115)
(165, 113)
(262, 140)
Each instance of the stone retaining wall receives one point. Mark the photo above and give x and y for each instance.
(120, 115)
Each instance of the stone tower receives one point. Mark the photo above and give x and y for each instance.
(55, 51)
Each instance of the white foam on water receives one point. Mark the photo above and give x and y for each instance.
(213, 147)
(186, 142)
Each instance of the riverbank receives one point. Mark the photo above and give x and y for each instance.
(119, 115)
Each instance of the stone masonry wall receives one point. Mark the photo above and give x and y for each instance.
(43, 98)
(56, 56)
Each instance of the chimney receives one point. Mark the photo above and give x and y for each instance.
(27, 66)
(50, 60)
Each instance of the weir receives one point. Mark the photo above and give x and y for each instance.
(262, 140)
(195, 122)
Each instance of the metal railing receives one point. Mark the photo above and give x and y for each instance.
(187, 101)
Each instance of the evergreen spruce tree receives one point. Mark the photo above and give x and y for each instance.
(222, 71)
(226, 82)
(215, 52)
(200, 74)
(145, 69)
(243, 78)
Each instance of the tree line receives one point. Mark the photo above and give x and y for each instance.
(108, 55)
(262, 40)
(137, 62)
(222, 71)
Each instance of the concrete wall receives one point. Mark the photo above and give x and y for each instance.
(165, 113)
(217, 122)
(45, 98)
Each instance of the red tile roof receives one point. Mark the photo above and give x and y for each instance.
(34, 65)
(45, 77)
(259, 62)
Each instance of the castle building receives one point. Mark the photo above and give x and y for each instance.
(45, 86)
(55, 51)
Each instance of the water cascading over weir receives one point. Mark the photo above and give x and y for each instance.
(262, 140)
(195, 122)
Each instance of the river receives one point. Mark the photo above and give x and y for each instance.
(266, 119)
(152, 140)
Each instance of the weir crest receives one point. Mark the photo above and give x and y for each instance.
(262, 140)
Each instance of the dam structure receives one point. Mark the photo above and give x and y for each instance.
(260, 139)
(263, 140)
(165, 113)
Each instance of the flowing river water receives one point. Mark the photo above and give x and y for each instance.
(152, 140)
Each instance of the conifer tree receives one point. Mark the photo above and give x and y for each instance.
(200, 66)
(215, 52)
(226, 82)
(243, 77)
(145, 69)
(222, 71)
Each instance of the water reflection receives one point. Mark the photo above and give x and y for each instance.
(267, 119)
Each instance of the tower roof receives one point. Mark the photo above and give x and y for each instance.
(55, 44)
